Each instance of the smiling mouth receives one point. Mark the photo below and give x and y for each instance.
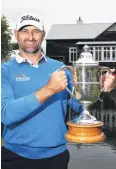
(30, 42)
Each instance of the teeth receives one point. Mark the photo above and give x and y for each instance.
(29, 42)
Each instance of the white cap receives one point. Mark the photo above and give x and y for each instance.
(29, 19)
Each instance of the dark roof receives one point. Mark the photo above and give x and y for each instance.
(77, 31)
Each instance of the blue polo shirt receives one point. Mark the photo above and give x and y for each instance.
(32, 130)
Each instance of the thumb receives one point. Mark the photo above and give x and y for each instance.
(113, 70)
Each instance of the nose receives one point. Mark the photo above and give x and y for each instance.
(30, 36)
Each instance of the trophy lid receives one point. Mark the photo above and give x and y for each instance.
(86, 58)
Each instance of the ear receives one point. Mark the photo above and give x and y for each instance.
(15, 34)
(43, 35)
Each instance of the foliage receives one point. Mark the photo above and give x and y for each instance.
(15, 46)
(6, 35)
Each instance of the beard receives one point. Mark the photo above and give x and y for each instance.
(31, 49)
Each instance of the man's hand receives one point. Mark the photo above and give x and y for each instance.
(107, 81)
(57, 82)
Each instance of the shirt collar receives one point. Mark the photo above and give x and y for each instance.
(20, 60)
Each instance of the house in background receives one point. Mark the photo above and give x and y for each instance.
(65, 42)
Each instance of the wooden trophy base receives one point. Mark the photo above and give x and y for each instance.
(84, 133)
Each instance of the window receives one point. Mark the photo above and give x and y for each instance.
(106, 54)
(72, 54)
(103, 53)
(91, 50)
(98, 52)
(114, 54)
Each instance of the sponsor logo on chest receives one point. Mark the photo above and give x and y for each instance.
(22, 77)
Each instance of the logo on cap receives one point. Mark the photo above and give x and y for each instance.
(29, 17)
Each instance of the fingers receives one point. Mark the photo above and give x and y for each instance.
(113, 70)
(109, 83)
(58, 81)
(59, 74)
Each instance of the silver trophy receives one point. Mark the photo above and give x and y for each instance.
(87, 89)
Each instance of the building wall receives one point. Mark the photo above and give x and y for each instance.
(55, 48)
(107, 36)
(58, 48)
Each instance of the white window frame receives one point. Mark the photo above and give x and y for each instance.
(72, 51)
(109, 50)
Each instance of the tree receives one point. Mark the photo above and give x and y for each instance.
(15, 46)
(6, 35)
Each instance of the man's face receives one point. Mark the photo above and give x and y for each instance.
(29, 39)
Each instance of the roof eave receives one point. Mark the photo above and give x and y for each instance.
(71, 39)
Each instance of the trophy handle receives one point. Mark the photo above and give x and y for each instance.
(101, 94)
(69, 68)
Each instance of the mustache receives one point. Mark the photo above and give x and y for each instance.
(33, 40)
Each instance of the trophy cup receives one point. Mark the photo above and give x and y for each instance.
(86, 128)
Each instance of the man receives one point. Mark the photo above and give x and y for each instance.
(34, 102)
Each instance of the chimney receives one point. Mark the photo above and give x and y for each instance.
(79, 21)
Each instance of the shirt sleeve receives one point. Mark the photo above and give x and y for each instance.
(14, 110)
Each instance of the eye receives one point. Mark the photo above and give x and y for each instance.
(24, 30)
(37, 31)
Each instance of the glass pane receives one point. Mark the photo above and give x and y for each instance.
(113, 48)
(104, 55)
(96, 48)
(113, 55)
(108, 55)
(71, 56)
(96, 55)
(99, 55)
(75, 57)
(91, 48)
(91, 53)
